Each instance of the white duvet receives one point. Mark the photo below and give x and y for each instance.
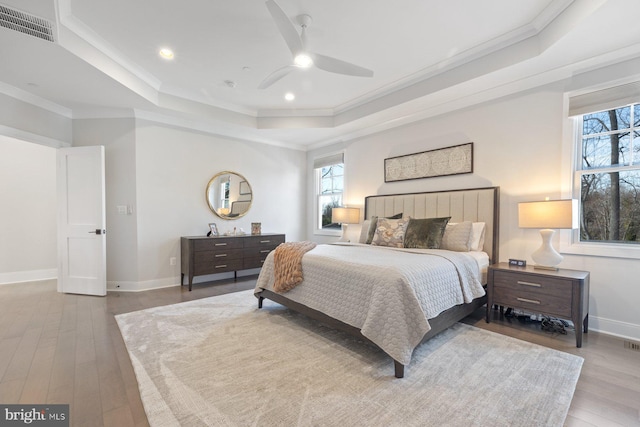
(387, 293)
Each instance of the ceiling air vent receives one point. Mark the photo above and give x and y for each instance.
(25, 23)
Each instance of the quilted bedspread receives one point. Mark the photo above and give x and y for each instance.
(388, 293)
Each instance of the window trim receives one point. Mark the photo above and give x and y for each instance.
(318, 163)
(570, 242)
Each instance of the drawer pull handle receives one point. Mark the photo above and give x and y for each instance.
(266, 251)
(220, 255)
(265, 241)
(221, 244)
(535, 285)
(221, 266)
(532, 301)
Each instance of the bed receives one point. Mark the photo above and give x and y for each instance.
(396, 298)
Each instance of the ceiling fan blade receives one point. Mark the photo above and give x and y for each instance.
(276, 75)
(334, 65)
(285, 26)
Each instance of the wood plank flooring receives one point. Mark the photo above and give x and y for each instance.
(60, 348)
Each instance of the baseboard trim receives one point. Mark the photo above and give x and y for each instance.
(148, 285)
(28, 276)
(167, 282)
(614, 327)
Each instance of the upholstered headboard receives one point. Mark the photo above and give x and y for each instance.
(475, 204)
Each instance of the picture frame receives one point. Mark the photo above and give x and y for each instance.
(213, 229)
(256, 228)
(454, 160)
(244, 188)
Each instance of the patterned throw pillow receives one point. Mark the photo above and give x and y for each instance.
(373, 225)
(425, 233)
(457, 237)
(390, 232)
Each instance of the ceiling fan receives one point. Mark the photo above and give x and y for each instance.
(302, 58)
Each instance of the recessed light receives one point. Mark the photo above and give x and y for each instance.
(166, 53)
(289, 96)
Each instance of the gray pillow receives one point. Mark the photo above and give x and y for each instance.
(425, 233)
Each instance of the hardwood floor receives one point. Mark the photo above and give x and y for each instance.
(60, 348)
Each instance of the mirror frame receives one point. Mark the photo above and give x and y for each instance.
(210, 202)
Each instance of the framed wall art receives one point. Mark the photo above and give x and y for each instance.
(454, 160)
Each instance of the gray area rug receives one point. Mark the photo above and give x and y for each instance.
(221, 361)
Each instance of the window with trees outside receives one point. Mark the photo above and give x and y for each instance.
(609, 174)
(329, 173)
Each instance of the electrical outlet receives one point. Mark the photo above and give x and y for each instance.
(172, 260)
(632, 345)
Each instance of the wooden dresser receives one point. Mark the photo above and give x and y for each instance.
(202, 255)
(563, 293)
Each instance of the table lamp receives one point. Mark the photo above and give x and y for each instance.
(345, 216)
(548, 216)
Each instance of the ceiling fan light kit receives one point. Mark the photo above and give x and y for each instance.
(302, 58)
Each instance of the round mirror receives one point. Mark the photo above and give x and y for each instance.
(229, 195)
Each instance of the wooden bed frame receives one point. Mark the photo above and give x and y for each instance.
(478, 204)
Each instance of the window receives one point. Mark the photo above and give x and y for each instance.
(329, 179)
(608, 175)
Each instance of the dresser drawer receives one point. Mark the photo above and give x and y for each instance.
(220, 266)
(220, 255)
(215, 243)
(258, 251)
(531, 284)
(263, 241)
(254, 262)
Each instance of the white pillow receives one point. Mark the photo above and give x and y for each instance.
(477, 236)
(457, 237)
(476, 242)
(364, 231)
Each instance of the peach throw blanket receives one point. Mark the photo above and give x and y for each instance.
(287, 262)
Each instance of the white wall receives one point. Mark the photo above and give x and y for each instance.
(28, 228)
(518, 147)
(173, 168)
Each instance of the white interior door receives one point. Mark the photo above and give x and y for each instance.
(81, 221)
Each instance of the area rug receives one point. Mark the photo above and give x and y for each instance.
(222, 361)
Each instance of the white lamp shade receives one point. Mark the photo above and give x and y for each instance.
(551, 214)
(345, 215)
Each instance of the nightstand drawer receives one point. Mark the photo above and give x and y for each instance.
(535, 302)
(519, 282)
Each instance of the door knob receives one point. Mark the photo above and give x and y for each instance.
(98, 231)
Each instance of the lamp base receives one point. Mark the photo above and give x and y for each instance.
(343, 238)
(546, 256)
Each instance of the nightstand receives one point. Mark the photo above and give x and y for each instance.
(563, 293)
